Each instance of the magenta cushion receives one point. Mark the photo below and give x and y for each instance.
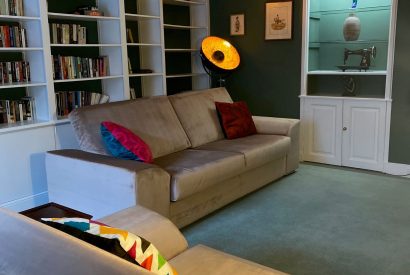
(123, 143)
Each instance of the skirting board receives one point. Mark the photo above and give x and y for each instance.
(27, 202)
(397, 169)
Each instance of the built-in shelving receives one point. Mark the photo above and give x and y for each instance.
(329, 72)
(139, 17)
(183, 27)
(78, 17)
(184, 2)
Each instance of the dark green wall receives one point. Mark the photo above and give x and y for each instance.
(268, 78)
(269, 75)
(400, 125)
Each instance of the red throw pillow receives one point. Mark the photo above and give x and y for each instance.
(236, 119)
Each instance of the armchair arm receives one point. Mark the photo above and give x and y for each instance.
(150, 225)
(101, 185)
(284, 127)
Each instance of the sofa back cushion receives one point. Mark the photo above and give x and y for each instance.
(152, 119)
(197, 113)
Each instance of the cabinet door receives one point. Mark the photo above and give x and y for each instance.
(363, 135)
(323, 124)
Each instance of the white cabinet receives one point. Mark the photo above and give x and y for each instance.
(363, 134)
(345, 98)
(344, 131)
(323, 123)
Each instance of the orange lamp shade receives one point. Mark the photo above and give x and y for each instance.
(220, 53)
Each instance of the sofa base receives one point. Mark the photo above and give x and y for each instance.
(190, 209)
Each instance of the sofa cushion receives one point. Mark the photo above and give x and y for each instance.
(117, 241)
(236, 119)
(257, 149)
(152, 119)
(30, 247)
(202, 260)
(195, 170)
(123, 143)
(197, 113)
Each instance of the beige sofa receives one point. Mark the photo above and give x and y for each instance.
(195, 170)
(30, 247)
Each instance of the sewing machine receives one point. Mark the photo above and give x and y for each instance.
(367, 54)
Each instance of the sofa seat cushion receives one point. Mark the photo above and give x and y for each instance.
(202, 260)
(195, 170)
(257, 149)
(152, 119)
(197, 113)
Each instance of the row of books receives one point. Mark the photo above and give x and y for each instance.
(66, 101)
(12, 111)
(11, 7)
(74, 67)
(14, 72)
(68, 34)
(13, 36)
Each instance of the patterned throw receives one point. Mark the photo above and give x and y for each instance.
(143, 252)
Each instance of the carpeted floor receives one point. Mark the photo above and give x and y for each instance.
(320, 220)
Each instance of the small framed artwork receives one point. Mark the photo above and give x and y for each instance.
(278, 21)
(237, 24)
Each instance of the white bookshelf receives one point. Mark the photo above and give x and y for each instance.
(23, 144)
(197, 29)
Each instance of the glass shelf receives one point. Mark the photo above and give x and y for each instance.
(316, 14)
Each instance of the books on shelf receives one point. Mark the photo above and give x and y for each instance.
(13, 36)
(12, 7)
(68, 34)
(14, 72)
(130, 37)
(66, 101)
(74, 67)
(133, 95)
(12, 111)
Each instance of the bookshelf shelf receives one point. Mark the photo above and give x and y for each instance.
(185, 75)
(23, 125)
(146, 75)
(88, 78)
(184, 2)
(67, 16)
(140, 17)
(144, 45)
(15, 49)
(85, 45)
(181, 50)
(22, 85)
(183, 27)
(7, 18)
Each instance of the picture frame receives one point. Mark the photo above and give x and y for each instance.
(237, 24)
(278, 20)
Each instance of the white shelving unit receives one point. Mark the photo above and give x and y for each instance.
(347, 130)
(197, 29)
(22, 144)
(146, 52)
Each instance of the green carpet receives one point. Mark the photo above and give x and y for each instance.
(319, 220)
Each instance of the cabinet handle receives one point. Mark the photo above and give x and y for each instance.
(344, 128)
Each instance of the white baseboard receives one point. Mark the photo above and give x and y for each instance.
(397, 169)
(27, 202)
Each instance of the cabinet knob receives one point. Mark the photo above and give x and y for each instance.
(344, 128)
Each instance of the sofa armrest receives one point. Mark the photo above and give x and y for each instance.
(101, 185)
(151, 226)
(284, 127)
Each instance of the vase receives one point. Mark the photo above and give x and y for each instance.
(351, 28)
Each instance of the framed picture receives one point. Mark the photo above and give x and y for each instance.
(237, 24)
(278, 21)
